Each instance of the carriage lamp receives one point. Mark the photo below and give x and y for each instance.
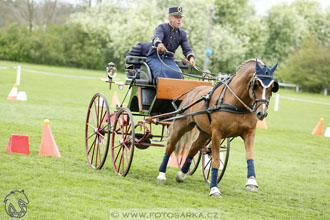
(111, 70)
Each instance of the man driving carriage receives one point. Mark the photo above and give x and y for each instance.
(168, 37)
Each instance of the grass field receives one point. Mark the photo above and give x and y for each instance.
(292, 165)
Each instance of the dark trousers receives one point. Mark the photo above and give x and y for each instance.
(158, 69)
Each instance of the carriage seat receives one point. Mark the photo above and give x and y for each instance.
(146, 78)
(135, 60)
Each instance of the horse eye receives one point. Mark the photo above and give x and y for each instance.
(255, 86)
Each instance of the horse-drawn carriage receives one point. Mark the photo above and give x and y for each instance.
(227, 109)
(157, 105)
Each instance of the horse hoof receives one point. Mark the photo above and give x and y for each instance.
(251, 185)
(215, 193)
(161, 178)
(251, 188)
(180, 177)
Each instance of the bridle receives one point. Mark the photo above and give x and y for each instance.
(253, 86)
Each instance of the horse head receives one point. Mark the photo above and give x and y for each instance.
(261, 87)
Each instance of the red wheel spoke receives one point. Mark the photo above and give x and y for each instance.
(96, 115)
(117, 146)
(221, 163)
(91, 126)
(93, 144)
(98, 111)
(102, 117)
(97, 152)
(126, 158)
(126, 147)
(208, 162)
(118, 154)
(123, 161)
(122, 124)
(93, 151)
(92, 116)
(91, 135)
(121, 157)
(100, 149)
(128, 127)
(208, 172)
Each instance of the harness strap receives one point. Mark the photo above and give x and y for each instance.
(208, 98)
(223, 91)
(222, 107)
(247, 107)
(228, 108)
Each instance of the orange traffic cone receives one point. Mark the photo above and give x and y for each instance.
(13, 93)
(262, 124)
(115, 100)
(48, 145)
(18, 144)
(173, 162)
(112, 117)
(318, 130)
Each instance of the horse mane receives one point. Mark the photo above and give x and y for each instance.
(249, 61)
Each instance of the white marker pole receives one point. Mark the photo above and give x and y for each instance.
(18, 78)
(277, 100)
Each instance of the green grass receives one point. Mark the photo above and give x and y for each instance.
(292, 166)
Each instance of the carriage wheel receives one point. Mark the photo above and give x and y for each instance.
(194, 163)
(123, 141)
(207, 160)
(97, 131)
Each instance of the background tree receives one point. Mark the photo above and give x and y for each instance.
(107, 30)
(309, 66)
(48, 10)
(286, 28)
(28, 10)
(233, 12)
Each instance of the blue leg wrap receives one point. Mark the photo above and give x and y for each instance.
(214, 178)
(186, 165)
(250, 167)
(163, 166)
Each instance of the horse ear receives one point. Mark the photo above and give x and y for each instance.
(274, 68)
(258, 68)
(276, 87)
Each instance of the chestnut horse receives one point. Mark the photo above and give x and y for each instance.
(230, 109)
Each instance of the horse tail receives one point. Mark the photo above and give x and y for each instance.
(185, 142)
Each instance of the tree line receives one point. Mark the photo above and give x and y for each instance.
(297, 35)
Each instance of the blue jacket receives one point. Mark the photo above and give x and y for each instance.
(141, 49)
(172, 38)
